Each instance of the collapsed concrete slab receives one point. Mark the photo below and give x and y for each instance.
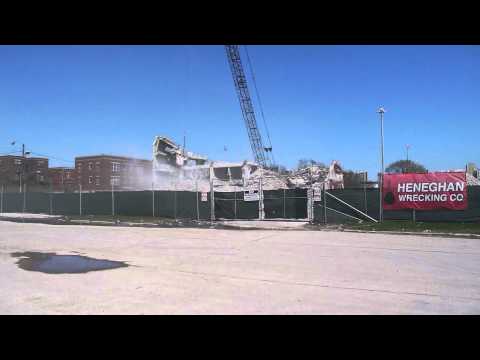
(175, 168)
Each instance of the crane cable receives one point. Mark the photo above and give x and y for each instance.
(259, 101)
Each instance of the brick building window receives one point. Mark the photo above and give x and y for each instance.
(115, 167)
(90, 166)
(97, 180)
(97, 165)
(90, 179)
(18, 162)
(79, 165)
(115, 180)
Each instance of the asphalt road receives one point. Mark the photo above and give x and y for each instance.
(207, 271)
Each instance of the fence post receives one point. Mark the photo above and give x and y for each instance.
(260, 197)
(310, 204)
(235, 208)
(24, 196)
(380, 195)
(324, 204)
(313, 205)
(212, 197)
(113, 201)
(175, 202)
(310, 200)
(196, 198)
(50, 198)
(153, 201)
(365, 190)
(80, 193)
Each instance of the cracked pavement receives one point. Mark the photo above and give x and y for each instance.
(209, 271)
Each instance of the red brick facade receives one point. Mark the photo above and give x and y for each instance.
(98, 172)
(35, 172)
(63, 179)
(94, 173)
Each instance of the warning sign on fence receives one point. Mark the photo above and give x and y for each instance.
(204, 196)
(314, 193)
(251, 195)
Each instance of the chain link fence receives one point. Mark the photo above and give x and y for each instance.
(334, 206)
(330, 210)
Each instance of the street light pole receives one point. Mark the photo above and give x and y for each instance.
(381, 111)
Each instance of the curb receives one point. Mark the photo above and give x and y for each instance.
(62, 221)
(237, 227)
(454, 235)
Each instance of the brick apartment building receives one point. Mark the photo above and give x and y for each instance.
(99, 172)
(63, 179)
(34, 169)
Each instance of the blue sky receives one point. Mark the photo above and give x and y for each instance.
(319, 102)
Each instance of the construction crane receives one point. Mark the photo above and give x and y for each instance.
(260, 152)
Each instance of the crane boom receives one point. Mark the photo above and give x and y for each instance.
(259, 151)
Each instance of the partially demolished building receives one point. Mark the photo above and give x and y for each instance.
(175, 168)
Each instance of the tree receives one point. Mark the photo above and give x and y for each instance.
(304, 163)
(353, 179)
(405, 166)
(282, 170)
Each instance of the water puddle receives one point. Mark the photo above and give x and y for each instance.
(51, 263)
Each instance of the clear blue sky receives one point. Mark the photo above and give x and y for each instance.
(319, 101)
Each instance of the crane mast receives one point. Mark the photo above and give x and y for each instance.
(259, 151)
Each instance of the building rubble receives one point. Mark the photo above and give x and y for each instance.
(175, 168)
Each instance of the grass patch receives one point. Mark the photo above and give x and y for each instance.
(409, 226)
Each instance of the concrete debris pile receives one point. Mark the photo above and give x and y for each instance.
(270, 180)
(314, 176)
(306, 177)
(174, 168)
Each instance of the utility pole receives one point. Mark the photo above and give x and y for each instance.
(381, 111)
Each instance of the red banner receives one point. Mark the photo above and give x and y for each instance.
(436, 190)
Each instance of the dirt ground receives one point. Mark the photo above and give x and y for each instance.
(209, 271)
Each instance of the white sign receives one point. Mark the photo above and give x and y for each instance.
(204, 196)
(251, 195)
(316, 194)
